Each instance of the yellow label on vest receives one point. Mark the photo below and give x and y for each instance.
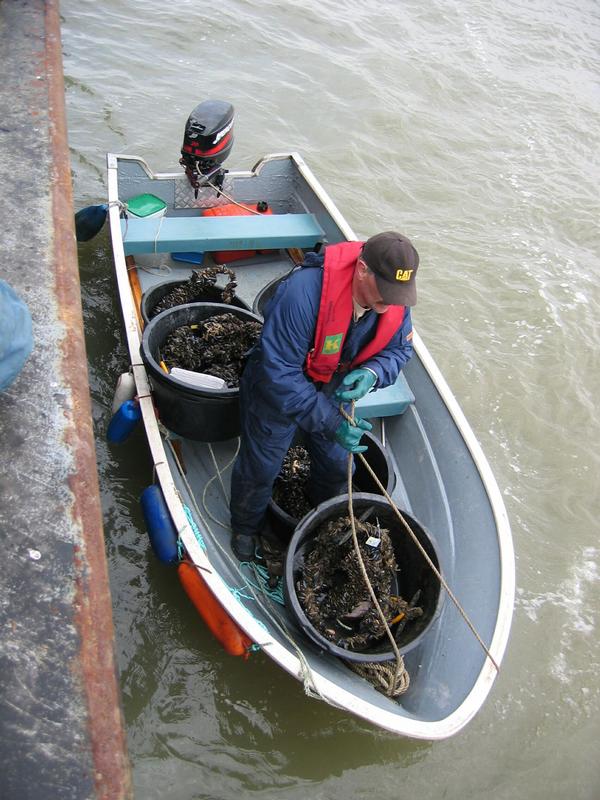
(403, 274)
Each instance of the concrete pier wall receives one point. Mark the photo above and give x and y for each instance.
(61, 727)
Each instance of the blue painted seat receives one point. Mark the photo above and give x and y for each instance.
(388, 402)
(206, 234)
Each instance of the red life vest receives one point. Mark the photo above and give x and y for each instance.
(335, 314)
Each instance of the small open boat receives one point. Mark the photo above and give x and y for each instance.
(441, 477)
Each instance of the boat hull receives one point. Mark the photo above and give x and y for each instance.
(442, 479)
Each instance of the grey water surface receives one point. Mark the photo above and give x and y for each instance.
(474, 128)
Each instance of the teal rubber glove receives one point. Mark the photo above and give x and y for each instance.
(349, 435)
(361, 381)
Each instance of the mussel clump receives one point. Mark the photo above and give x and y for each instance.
(290, 488)
(332, 590)
(216, 346)
(199, 288)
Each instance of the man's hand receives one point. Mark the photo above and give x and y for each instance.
(348, 435)
(361, 381)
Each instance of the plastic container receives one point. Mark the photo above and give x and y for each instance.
(146, 206)
(377, 457)
(124, 390)
(160, 527)
(188, 258)
(199, 380)
(265, 294)
(235, 210)
(123, 422)
(89, 221)
(221, 625)
(212, 294)
(206, 415)
(413, 573)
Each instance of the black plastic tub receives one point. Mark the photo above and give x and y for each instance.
(413, 573)
(378, 459)
(211, 294)
(265, 294)
(206, 415)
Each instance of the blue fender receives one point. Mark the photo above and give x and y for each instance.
(89, 221)
(161, 530)
(124, 421)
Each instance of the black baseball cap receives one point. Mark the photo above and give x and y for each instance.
(394, 262)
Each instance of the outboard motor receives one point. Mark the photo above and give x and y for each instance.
(207, 142)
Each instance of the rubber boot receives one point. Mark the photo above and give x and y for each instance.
(243, 546)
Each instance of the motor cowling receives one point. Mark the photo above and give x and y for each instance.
(207, 141)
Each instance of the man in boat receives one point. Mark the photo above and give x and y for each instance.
(337, 327)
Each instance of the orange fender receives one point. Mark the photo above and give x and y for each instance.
(228, 633)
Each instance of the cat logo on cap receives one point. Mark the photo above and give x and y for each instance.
(403, 274)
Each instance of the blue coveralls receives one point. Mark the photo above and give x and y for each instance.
(277, 397)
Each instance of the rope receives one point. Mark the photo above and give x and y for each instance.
(194, 527)
(218, 474)
(382, 677)
(158, 233)
(435, 570)
(123, 208)
(262, 582)
(159, 269)
(305, 672)
(231, 200)
(392, 680)
(218, 471)
(119, 203)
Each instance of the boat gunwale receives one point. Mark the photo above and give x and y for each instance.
(403, 723)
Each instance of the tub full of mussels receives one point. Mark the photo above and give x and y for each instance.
(201, 287)
(194, 355)
(325, 589)
(290, 500)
